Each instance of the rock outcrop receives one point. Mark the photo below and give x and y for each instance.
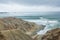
(14, 35)
(37, 37)
(18, 29)
(29, 28)
(52, 35)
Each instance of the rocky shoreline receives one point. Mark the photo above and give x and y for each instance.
(18, 29)
(13, 24)
(52, 35)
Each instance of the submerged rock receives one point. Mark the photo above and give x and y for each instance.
(52, 35)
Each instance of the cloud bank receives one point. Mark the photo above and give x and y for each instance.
(23, 8)
(29, 5)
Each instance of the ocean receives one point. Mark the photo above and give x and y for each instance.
(50, 21)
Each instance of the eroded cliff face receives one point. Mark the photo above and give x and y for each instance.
(29, 28)
(18, 29)
(52, 35)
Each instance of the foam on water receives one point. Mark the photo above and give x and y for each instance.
(50, 24)
(43, 21)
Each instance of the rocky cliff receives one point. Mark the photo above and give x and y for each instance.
(10, 25)
(16, 23)
(52, 35)
(14, 35)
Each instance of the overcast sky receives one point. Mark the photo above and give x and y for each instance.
(29, 5)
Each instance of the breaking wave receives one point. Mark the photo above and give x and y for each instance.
(50, 24)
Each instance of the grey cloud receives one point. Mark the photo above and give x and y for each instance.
(34, 2)
(38, 2)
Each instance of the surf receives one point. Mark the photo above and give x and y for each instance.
(49, 24)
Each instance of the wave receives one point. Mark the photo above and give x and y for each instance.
(50, 24)
(42, 21)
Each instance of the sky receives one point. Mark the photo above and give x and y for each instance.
(29, 5)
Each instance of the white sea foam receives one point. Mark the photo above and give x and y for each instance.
(50, 24)
(43, 21)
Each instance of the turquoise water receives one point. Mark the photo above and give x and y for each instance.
(38, 17)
